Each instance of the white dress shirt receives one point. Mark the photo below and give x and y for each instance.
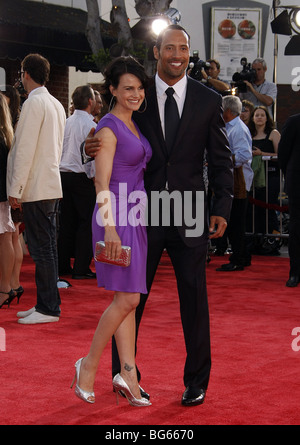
(179, 95)
(77, 128)
(240, 143)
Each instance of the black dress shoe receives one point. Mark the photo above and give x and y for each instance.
(229, 267)
(292, 281)
(86, 276)
(193, 396)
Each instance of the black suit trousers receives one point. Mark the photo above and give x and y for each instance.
(189, 265)
(75, 222)
(236, 232)
(294, 235)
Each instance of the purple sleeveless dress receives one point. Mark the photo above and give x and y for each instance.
(129, 204)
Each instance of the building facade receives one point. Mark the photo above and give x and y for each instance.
(196, 18)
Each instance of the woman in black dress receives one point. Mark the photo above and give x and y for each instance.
(265, 140)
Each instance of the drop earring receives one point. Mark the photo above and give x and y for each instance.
(112, 103)
(145, 106)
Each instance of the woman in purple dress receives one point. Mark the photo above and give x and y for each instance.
(119, 220)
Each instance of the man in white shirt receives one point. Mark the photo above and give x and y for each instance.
(33, 183)
(240, 143)
(77, 205)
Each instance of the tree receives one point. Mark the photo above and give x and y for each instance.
(119, 19)
(151, 7)
(118, 16)
(93, 31)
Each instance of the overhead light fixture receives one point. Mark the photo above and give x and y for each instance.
(159, 24)
(171, 16)
(285, 24)
(149, 27)
(282, 24)
(293, 47)
(174, 15)
(295, 20)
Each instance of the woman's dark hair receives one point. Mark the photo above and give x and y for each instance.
(14, 102)
(270, 124)
(38, 67)
(116, 69)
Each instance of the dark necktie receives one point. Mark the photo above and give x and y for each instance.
(171, 119)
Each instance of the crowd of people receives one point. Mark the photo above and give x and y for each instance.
(66, 181)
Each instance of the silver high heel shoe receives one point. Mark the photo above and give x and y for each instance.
(120, 385)
(84, 395)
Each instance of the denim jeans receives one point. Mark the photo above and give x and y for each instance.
(40, 218)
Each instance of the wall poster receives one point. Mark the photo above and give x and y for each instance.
(236, 34)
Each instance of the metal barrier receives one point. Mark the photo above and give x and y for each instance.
(281, 208)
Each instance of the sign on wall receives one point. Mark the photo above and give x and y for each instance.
(236, 33)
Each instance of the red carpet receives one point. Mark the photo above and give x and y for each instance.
(255, 372)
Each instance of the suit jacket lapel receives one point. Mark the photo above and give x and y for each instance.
(187, 113)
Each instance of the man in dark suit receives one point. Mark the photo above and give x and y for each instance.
(180, 168)
(289, 162)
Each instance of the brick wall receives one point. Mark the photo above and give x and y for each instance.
(58, 84)
(288, 103)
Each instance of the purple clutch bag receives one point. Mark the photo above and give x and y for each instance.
(100, 256)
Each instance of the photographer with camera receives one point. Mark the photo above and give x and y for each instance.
(259, 90)
(207, 73)
(210, 76)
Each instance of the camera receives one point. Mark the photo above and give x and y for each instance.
(247, 73)
(196, 65)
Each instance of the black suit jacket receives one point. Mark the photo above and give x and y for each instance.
(289, 154)
(201, 127)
